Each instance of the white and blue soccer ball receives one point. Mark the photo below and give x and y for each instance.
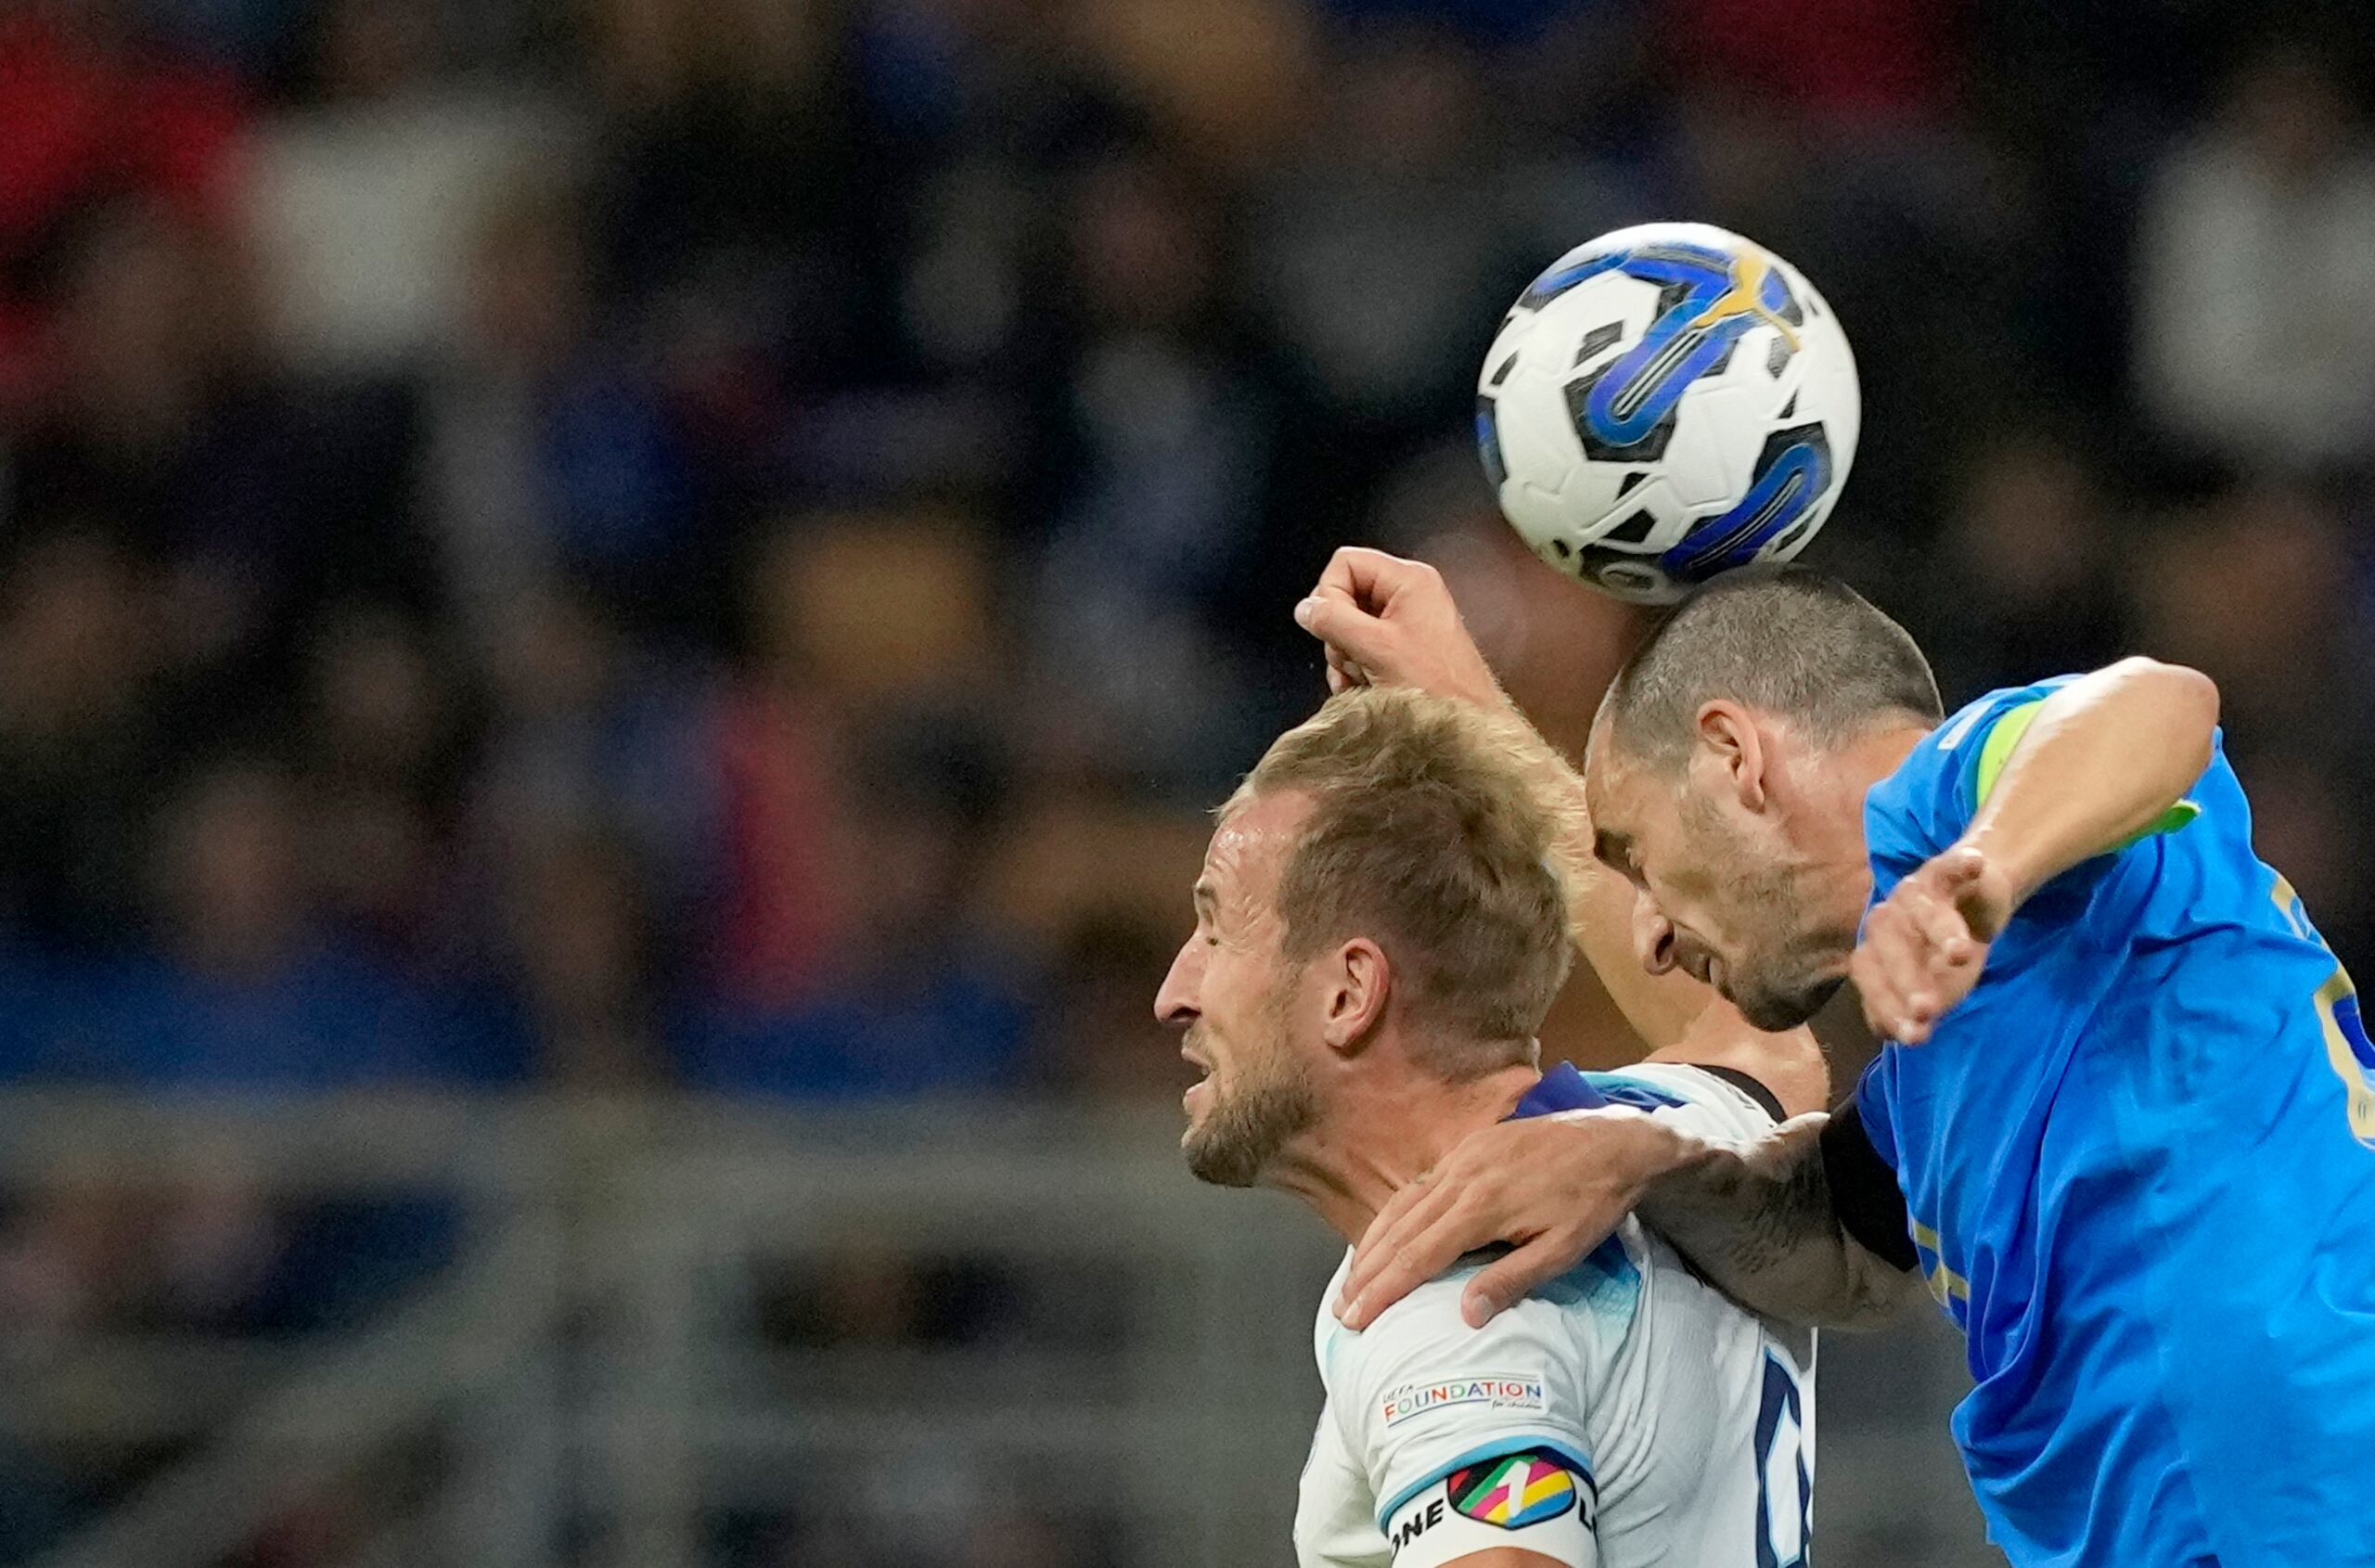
(1664, 404)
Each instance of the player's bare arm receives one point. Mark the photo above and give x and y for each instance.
(1764, 1223)
(1759, 1219)
(1393, 621)
(1551, 1190)
(2105, 759)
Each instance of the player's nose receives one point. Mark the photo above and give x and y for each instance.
(1175, 999)
(1652, 935)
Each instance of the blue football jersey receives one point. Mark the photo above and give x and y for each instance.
(2140, 1166)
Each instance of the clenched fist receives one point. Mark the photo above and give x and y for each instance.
(1391, 621)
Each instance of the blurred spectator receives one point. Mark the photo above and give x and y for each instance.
(592, 726)
(95, 108)
(382, 738)
(361, 203)
(2255, 591)
(1159, 448)
(136, 358)
(552, 450)
(2024, 585)
(848, 618)
(731, 166)
(81, 656)
(70, 1258)
(244, 989)
(1070, 859)
(582, 938)
(918, 1006)
(867, 608)
(2254, 309)
(1222, 80)
(1378, 258)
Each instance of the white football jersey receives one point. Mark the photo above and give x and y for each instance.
(1624, 1414)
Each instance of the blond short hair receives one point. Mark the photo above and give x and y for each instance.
(1428, 836)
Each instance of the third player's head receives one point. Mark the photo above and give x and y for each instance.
(1377, 905)
(1726, 777)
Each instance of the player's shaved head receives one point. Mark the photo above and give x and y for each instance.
(1792, 642)
(1727, 776)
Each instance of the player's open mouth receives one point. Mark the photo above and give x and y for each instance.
(1203, 1080)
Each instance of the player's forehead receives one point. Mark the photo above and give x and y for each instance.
(1618, 791)
(1249, 845)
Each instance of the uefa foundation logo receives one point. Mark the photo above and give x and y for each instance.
(1498, 1391)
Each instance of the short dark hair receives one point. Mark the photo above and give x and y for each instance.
(1787, 639)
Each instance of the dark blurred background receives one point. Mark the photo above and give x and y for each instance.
(607, 597)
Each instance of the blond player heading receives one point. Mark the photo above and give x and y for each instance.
(1381, 923)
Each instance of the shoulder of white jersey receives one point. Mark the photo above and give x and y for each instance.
(1709, 1103)
(1420, 1394)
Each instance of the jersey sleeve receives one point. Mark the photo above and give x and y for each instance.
(1924, 805)
(1923, 808)
(1334, 1527)
(1472, 1439)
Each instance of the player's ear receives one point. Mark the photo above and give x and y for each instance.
(1359, 980)
(1731, 746)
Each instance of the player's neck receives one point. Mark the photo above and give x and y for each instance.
(1833, 833)
(1873, 756)
(1377, 1141)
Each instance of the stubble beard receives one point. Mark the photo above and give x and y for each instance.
(1774, 1007)
(1271, 1103)
(1794, 969)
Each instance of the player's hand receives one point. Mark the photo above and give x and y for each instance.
(1924, 946)
(1554, 1187)
(1391, 621)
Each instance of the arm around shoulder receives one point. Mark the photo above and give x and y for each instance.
(1762, 1221)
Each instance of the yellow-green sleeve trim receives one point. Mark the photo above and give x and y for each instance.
(2004, 737)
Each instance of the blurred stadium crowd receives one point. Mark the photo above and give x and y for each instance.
(724, 543)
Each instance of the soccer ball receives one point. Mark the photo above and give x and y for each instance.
(1667, 403)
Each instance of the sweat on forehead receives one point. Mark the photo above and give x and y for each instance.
(1787, 640)
(1254, 835)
